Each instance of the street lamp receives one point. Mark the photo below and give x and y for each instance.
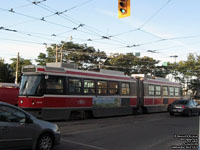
(175, 56)
(152, 51)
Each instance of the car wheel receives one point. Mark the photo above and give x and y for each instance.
(189, 113)
(171, 113)
(45, 142)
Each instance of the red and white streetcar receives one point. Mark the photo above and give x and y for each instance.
(57, 91)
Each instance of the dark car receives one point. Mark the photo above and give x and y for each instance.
(185, 107)
(20, 130)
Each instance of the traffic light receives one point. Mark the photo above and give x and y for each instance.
(124, 9)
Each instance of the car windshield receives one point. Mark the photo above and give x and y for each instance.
(31, 85)
(181, 102)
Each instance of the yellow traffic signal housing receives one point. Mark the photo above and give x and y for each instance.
(124, 9)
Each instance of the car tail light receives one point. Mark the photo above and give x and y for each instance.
(183, 106)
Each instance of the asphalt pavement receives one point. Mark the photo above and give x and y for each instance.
(158, 131)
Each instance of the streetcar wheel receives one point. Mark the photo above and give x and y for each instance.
(88, 114)
(45, 142)
(140, 111)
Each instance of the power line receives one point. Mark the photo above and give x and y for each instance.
(168, 1)
(23, 41)
(61, 14)
(148, 20)
(43, 19)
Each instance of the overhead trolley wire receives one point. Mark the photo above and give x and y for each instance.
(148, 20)
(63, 15)
(22, 41)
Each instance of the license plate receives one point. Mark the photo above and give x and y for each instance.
(175, 110)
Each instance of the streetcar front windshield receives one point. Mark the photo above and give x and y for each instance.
(31, 85)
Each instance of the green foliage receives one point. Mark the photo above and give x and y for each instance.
(130, 64)
(194, 85)
(85, 57)
(22, 62)
(6, 72)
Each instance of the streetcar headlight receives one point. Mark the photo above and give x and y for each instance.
(21, 101)
(33, 102)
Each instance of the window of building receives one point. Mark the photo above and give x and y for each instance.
(176, 91)
(89, 87)
(158, 90)
(151, 90)
(125, 88)
(113, 88)
(171, 91)
(102, 87)
(165, 91)
(74, 86)
(54, 84)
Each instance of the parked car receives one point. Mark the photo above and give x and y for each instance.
(21, 130)
(185, 107)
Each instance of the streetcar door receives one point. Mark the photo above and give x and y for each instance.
(140, 93)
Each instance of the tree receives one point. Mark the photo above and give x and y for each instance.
(121, 62)
(85, 57)
(6, 72)
(22, 62)
(147, 65)
(189, 71)
(130, 64)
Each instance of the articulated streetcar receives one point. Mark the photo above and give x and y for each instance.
(58, 92)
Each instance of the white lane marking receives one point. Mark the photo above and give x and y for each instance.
(84, 144)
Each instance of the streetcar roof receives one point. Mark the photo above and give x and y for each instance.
(103, 74)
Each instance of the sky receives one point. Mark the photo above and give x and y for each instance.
(168, 27)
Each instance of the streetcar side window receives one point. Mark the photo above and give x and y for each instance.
(102, 87)
(125, 87)
(151, 90)
(165, 91)
(158, 90)
(74, 86)
(171, 91)
(54, 84)
(113, 88)
(89, 87)
(176, 91)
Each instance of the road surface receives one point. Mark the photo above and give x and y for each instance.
(158, 131)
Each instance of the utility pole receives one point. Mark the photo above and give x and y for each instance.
(61, 54)
(56, 53)
(17, 69)
(175, 56)
(61, 49)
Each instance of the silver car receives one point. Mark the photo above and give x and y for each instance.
(20, 130)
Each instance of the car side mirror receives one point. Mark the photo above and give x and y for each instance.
(28, 120)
